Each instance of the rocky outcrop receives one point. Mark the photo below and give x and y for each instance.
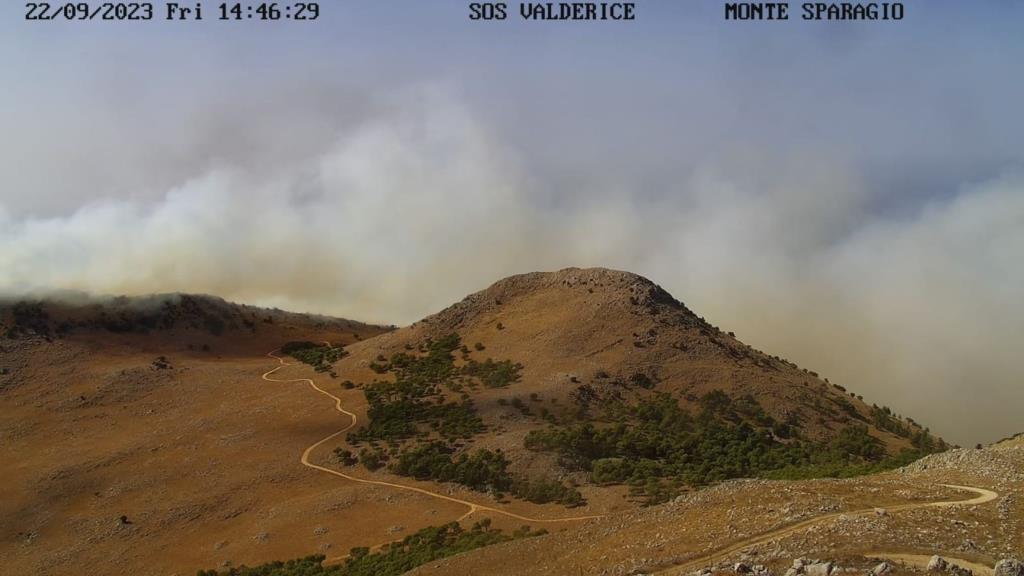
(937, 564)
(755, 570)
(940, 564)
(997, 464)
(1009, 567)
(960, 571)
(805, 567)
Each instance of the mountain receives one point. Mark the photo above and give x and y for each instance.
(166, 434)
(596, 377)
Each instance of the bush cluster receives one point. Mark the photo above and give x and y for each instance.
(658, 448)
(493, 374)
(396, 409)
(426, 545)
(481, 470)
(414, 406)
(319, 356)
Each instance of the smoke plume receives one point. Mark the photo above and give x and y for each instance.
(420, 202)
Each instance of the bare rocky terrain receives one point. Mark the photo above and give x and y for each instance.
(861, 528)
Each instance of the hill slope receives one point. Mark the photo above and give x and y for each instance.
(144, 438)
(596, 376)
(862, 521)
(175, 315)
(153, 409)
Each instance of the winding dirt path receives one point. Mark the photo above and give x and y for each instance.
(473, 507)
(921, 561)
(982, 497)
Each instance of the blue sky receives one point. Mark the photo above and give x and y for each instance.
(848, 195)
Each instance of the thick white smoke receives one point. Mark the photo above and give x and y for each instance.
(420, 203)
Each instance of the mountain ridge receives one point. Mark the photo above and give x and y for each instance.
(655, 331)
(545, 363)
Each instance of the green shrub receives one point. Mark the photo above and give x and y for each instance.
(426, 545)
(398, 409)
(372, 459)
(657, 447)
(319, 356)
(493, 374)
(642, 380)
(544, 491)
(346, 457)
(481, 470)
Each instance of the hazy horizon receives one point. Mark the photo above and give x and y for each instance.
(849, 196)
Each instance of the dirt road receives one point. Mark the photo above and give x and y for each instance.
(921, 561)
(982, 497)
(473, 507)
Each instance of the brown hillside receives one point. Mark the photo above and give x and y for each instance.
(154, 409)
(199, 319)
(158, 410)
(757, 522)
(584, 335)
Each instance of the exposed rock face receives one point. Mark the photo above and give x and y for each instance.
(805, 567)
(1009, 567)
(940, 564)
(820, 569)
(996, 464)
(958, 571)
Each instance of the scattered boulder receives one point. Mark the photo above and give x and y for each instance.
(820, 569)
(937, 564)
(881, 569)
(881, 512)
(798, 567)
(741, 568)
(959, 571)
(1009, 567)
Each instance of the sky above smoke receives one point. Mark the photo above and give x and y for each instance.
(850, 197)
